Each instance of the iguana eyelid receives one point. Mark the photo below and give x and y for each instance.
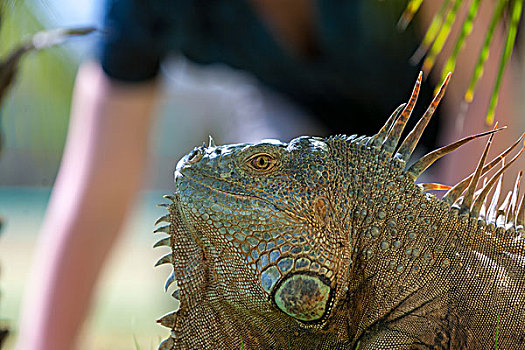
(269, 162)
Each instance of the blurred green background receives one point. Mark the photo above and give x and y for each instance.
(34, 120)
(130, 296)
(35, 113)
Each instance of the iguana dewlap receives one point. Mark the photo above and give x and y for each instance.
(330, 244)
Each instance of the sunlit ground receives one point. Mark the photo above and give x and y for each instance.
(131, 295)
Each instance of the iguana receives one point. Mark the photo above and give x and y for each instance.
(328, 243)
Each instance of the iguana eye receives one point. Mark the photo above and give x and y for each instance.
(262, 162)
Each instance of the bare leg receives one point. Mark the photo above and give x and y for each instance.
(100, 174)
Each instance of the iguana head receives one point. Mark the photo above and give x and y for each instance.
(286, 233)
(268, 204)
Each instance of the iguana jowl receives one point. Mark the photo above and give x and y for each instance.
(330, 244)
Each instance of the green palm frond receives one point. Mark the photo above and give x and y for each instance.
(506, 13)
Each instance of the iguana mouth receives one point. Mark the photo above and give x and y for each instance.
(180, 176)
(242, 196)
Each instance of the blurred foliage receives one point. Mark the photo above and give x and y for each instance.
(36, 110)
(506, 13)
(19, 45)
(4, 330)
(39, 41)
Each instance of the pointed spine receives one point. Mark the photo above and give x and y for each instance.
(169, 281)
(166, 259)
(165, 242)
(492, 211)
(469, 196)
(168, 320)
(163, 229)
(520, 217)
(431, 186)
(411, 141)
(501, 218)
(169, 197)
(378, 139)
(451, 196)
(176, 294)
(394, 135)
(167, 344)
(492, 215)
(483, 209)
(165, 218)
(511, 214)
(423, 163)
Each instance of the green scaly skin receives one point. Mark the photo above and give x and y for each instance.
(329, 244)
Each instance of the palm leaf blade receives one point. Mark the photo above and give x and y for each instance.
(442, 37)
(484, 54)
(411, 9)
(466, 30)
(431, 34)
(507, 52)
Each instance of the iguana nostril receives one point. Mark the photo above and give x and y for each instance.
(195, 156)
